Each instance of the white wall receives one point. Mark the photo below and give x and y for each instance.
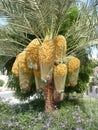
(93, 93)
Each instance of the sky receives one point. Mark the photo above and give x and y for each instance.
(95, 53)
(3, 21)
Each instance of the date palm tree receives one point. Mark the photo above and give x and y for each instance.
(39, 18)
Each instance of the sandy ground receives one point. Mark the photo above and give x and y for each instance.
(8, 96)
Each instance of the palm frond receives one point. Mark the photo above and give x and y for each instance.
(83, 30)
(40, 18)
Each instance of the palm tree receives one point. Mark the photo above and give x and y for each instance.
(38, 18)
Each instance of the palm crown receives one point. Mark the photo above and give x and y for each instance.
(48, 18)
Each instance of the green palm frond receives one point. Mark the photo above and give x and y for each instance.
(38, 17)
(83, 31)
(46, 17)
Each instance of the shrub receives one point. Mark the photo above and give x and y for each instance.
(1, 82)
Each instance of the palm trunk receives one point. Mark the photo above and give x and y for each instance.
(48, 94)
(52, 97)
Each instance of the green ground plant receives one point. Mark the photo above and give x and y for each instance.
(81, 114)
